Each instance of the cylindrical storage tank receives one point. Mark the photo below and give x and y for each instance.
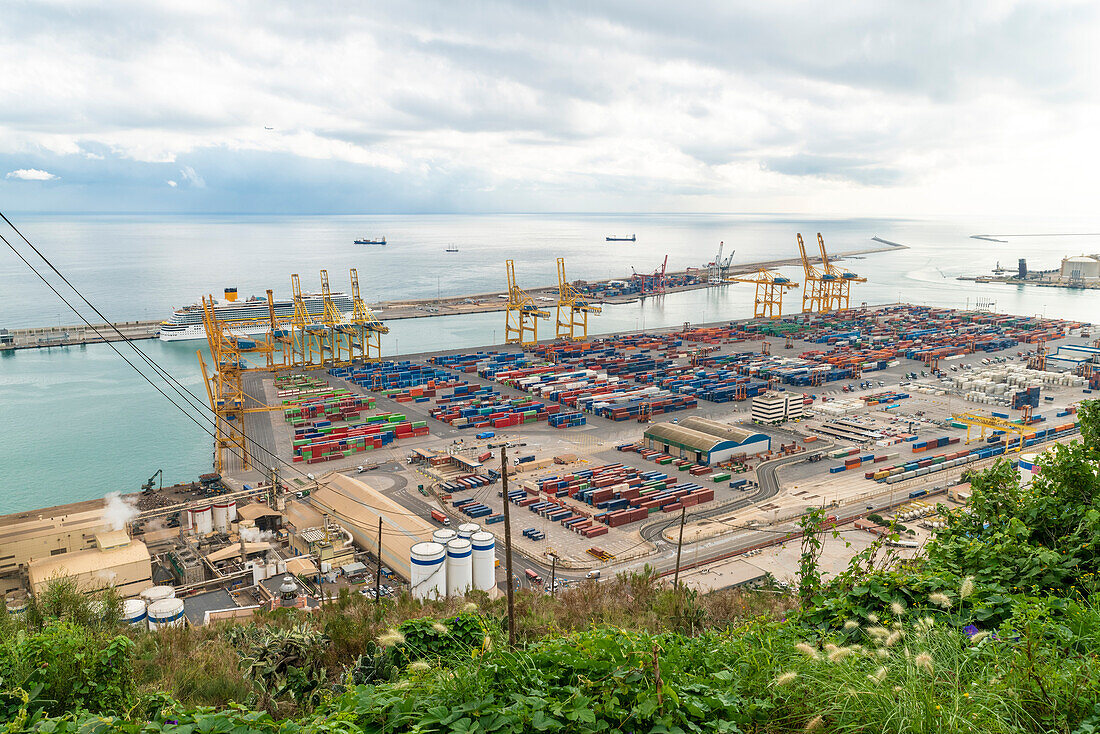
(460, 574)
(16, 605)
(485, 560)
(428, 572)
(444, 536)
(224, 512)
(1029, 467)
(133, 612)
(156, 593)
(203, 519)
(165, 613)
(466, 529)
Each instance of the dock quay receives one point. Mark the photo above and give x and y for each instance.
(63, 336)
(60, 336)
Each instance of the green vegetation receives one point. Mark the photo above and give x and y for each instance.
(997, 629)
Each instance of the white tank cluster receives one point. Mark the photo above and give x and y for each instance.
(1028, 467)
(156, 593)
(453, 563)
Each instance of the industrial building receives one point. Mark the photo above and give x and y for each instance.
(116, 561)
(357, 507)
(704, 441)
(773, 408)
(1080, 269)
(46, 533)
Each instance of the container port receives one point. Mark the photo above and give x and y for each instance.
(608, 441)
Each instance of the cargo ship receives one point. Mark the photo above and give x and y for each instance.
(247, 318)
(371, 241)
(617, 238)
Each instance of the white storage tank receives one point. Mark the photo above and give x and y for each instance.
(224, 512)
(460, 574)
(1029, 467)
(484, 545)
(16, 604)
(429, 576)
(444, 536)
(467, 529)
(202, 519)
(156, 593)
(165, 613)
(133, 612)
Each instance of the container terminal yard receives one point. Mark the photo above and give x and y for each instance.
(336, 467)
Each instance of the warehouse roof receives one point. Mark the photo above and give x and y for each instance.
(256, 510)
(93, 562)
(721, 431)
(681, 436)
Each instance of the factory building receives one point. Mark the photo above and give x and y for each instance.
(356, 506)
(704, 441)
(1080, 269)
(773, 408)
(116, 561)
(46, 533)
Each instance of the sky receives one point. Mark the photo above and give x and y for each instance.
(864, 108)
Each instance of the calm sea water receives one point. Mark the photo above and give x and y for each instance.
(77, 422)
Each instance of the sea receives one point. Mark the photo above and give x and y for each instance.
(78, 422)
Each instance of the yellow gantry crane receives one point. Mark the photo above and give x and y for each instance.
(986, 423)
(573, 309)
(369, 329)
(522, 314)
(224, 389)
(770, 287)
(813, 291)
(838, 282)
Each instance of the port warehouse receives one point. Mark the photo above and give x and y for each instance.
(704, 441)
(565, 388)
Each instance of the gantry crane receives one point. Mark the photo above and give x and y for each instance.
(716, 271)
(984, 422)
(813, 290)
(368, 345)
(573, 309)
(522, 314)
(1038, 361)
(838, 282)
(310, 339)
(224, 389)
(770, 286)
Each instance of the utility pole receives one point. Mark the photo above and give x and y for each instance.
(378, 570)
(508, 546)
(679, 548)
(554, 575)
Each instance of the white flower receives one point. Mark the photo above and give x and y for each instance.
(851, 624)
(967, 587)
(924, 660)
(897, 609)
(785, 678)
(441, 629)
(808, 650)
(390, 638)
(879, 675)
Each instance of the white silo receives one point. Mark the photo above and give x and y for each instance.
(429, 576)
(224, 512)
(467, 529)
(444, 536)
(485, 560)
(460, 575)
(166, 613)
(202, 519)
(1028, 467)
(133, 612)
(156, 593)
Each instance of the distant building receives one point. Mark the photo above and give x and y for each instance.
(116, 561)
(1080, 269)
(773, 408)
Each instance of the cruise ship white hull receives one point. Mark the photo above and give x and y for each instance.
(246, 318)
(170, 333)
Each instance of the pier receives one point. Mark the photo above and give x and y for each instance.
(60, 336)
(64, 336)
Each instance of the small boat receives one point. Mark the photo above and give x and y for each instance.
(369, 241)
(452, 248)
(617, 238)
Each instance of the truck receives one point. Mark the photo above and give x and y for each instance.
(485, 434)
(533, 577)
(440, 518)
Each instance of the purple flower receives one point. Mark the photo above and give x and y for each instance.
(971, 630)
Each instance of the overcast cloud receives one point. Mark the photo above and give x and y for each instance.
(847, 108)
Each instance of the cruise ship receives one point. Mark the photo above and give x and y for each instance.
(250, 317)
